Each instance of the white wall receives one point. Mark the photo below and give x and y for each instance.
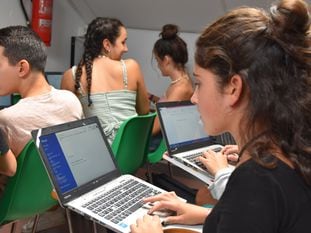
(140, 44)
(67, 23)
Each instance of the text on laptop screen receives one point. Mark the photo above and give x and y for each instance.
(183, 125)
(77, 156)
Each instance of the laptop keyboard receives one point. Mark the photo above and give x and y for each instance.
(194, 158)
(119, 202)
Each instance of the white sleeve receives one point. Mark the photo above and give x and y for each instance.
(221, 178)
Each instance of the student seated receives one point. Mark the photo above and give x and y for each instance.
(252, 72)
(22, 61)
(108, 87)
(171, 54)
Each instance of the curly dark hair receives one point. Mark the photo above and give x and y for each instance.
(271, 53)
(99, 29)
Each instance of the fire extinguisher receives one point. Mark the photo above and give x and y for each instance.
(41, 21)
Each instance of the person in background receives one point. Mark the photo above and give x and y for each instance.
(7, 158)
(22, 63)
(171, 54)
(108, 87)
(252, 72)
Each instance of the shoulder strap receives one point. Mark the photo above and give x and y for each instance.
(73, 71)
(124, 74)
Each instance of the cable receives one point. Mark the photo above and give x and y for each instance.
(25, 13)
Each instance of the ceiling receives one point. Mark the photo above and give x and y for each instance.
(190, 15)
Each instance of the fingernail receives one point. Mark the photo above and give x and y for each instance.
(165, 223)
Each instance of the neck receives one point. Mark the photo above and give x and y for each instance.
(178, 75)
(34, 85)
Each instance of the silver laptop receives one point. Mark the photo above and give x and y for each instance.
(83, 171)
(184, 134)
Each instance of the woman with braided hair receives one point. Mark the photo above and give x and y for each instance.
(108, 87)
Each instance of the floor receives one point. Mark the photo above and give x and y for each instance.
(56, 223)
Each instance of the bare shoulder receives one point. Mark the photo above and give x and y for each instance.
(68, 75)
(131, 64)
(67, 82)
(133, 70)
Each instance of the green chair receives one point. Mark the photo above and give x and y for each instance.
(156, 156)
(28, 192)
(15, 98)
(130, 146)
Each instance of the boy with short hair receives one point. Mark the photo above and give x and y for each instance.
(22, 62)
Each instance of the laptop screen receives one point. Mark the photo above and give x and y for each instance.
(54, 78)
(182, 124)
(5, 101)
(76, 156)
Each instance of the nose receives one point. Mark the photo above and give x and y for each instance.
(194, 97)
(125, 48)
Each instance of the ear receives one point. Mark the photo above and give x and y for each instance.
(234, 89)
(107, 45)
(23, 68)
(167, 60)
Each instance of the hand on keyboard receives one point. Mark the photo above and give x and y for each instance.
(213, 161)
(232, 153)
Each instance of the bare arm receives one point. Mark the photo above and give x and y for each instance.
(142, 102)
(156, 126)
(8, 164)
(7, 158)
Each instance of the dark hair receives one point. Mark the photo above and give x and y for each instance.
(21, 42)
(98, 30)
(171, 44)
(271, 53)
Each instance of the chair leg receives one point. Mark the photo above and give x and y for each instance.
(170, 169)
(35, 224)
(94, 227)
(69, 220)
(149, 172)
(13, 227)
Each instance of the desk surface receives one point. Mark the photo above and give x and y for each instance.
(178, 228)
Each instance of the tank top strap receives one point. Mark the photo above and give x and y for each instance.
(124, 74)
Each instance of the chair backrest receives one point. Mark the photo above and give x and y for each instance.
(156, 156)
(130, 146)
(28, 192)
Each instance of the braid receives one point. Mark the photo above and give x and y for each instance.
(98, 30)
(86, 60)
(88, 69)
(78, 75)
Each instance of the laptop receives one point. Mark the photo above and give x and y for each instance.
(83, 171)
(184, 134)
(5, 101)
(54, 78)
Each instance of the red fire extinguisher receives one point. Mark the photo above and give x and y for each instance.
(41, 21)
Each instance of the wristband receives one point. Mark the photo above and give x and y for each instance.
(151, 97)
